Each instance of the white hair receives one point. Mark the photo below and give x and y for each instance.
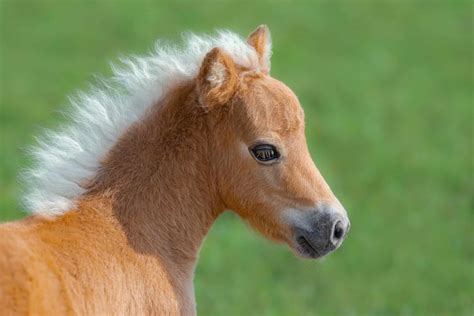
(67, 158)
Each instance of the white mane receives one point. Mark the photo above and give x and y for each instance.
(70, 156)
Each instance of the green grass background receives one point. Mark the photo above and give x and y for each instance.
(387, 87)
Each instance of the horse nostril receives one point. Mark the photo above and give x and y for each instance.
(338, 230)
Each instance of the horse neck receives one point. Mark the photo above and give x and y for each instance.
(158, 182)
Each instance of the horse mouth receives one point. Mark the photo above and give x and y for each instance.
(305, 249)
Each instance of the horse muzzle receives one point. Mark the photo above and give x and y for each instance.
(318, 232)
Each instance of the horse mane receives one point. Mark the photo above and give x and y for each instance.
(68, 157)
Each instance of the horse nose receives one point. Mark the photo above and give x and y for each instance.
(332, 224)
(321, 230)
(338, 232)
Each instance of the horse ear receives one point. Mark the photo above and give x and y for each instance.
(261, 41)
(217, 79)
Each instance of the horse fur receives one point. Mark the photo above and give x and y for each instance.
(124, 197)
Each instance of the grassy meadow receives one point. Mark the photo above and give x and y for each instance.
(387, 87)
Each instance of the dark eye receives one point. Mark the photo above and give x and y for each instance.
(265, 153)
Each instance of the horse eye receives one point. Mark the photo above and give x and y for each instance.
(265, 153)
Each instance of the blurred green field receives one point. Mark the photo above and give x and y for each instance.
(388, 92)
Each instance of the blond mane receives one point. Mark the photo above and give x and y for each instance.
(64, 160)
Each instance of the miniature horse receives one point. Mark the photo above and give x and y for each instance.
(124, 197)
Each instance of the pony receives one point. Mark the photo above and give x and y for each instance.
(124, 195)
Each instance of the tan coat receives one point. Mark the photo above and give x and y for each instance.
(130, 245)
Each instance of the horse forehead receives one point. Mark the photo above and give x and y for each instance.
(273, 103)
(274, 92)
